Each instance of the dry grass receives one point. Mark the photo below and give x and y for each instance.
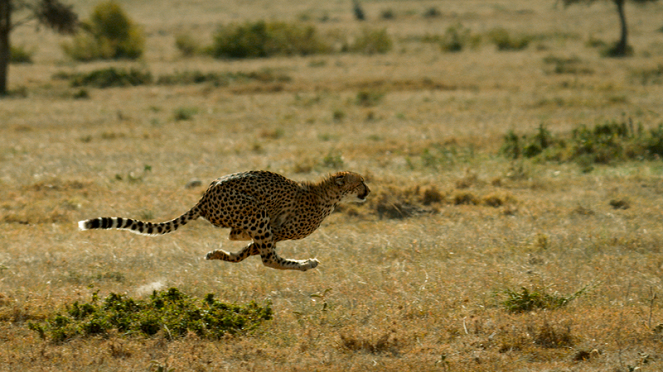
(412, 280)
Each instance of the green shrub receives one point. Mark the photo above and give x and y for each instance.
(263, 39)
(184, 113)
(18, 54)
(368, 98)
(602, 144)
(187, 45)
(456, 38)
(371, 41)
(110, 77)
(526, 300)
(108, 34)
(504, 41)
(432, 12)
(170, 311)
(566, 65)
(194, 77)
(388, 14)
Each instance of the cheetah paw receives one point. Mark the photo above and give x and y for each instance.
(311, 263)
(212, 255)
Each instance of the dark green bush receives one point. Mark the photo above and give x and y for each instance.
(455, 38)
(111, 77)
(170, 311)
(602, 144)
(505, 41)
(108, 34)
(263, 39)
(18, 54)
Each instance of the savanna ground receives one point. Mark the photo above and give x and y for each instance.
(416, 278)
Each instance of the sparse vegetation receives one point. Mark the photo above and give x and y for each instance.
(417, 277)
(371, 41)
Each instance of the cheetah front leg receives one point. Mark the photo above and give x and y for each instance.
(220, 254)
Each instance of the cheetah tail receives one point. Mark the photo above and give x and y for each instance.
(139, 227)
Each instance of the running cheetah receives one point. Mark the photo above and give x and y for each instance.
(261, 206)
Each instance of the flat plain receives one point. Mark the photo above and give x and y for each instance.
(418, 277)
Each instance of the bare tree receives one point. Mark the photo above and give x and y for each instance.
(622, 47)
(51, 13)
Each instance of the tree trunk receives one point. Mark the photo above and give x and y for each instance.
(5, 51)
(621, 47)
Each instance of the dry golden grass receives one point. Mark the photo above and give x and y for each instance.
(413, 279)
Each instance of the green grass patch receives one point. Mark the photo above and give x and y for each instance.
(171, 312)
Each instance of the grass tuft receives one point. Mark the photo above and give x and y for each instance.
(526, 300)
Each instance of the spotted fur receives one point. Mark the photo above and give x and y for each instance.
(261, 206)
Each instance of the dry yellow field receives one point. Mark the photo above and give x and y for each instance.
(404, 283)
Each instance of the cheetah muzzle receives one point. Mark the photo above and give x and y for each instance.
(258, 206)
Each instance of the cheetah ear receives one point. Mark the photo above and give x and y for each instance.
(340, 180)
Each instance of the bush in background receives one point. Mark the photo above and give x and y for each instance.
(370, 42)
(18, 54)
(108, 34)
(187, 45)
(109, 77)
(264, 39)
(602, 144)
(457, 38)
(505, 41)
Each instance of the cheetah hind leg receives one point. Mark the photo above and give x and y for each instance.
(271, 259)
(219, 254)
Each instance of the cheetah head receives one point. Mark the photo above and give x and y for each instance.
(351, 187)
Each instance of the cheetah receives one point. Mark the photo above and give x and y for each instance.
(258, 206)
